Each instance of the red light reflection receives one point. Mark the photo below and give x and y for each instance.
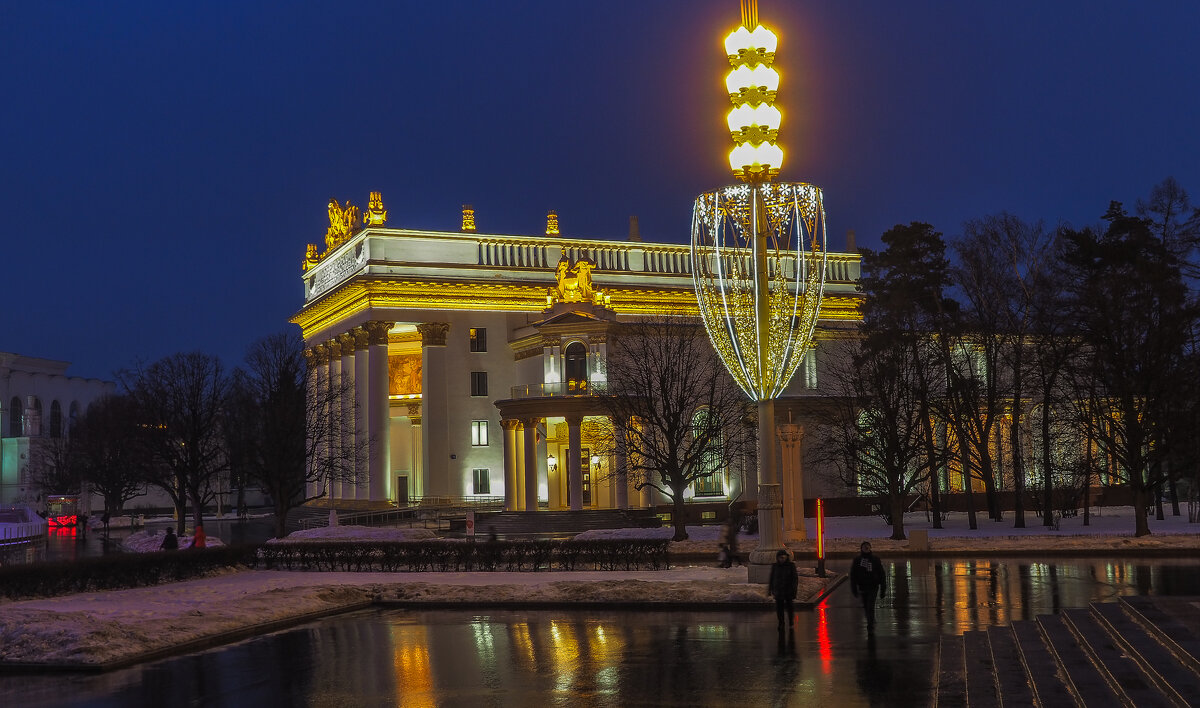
(824, 646)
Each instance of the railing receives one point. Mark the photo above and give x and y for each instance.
(562, 388)
(425, 511)
(20, 523)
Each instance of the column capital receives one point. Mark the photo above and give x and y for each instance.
(377, 331)
(789, 433)
(333, 348)
(414, 413)
(314, 356)
(574, 419)
(433, 334)
(346, 339)
(510, 423)
(362, 338)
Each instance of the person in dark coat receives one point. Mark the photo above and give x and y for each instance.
(170, 542)
(867, 581)
(782, 585)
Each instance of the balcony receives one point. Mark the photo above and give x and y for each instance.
(557, 390)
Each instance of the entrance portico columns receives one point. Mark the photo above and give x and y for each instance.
(791, 443)
(511, 491)
(574, 462)
(531, 490)
(349, 422)
(435, 455)
(317, 358)
(362, 430)
(417, 480)
(378, 412)
(622, 461)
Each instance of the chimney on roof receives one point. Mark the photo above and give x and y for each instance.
(851, 246)
(635, 234)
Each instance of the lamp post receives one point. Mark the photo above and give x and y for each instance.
(758, 261)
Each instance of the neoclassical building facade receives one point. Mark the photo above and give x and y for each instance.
(470, 359)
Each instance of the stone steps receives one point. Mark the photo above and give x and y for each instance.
(1138, 651)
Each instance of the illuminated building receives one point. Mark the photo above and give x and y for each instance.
(38, 402)
(472, 358)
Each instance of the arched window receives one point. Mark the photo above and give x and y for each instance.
(711, 484)
(72, 418)
(577, 379)
(16, 415)
(38, 419)
(56, 429)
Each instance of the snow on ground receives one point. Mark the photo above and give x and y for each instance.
(357, 533)
(1109, 527)
(106, 626)
(150, 541)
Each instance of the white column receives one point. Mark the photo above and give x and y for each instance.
(791, 439)
(520, 460)
(511, 491)
(379, 468)
(435, 452)
(531, 496)
(362, 429)
(418, 482)
(574, 460)
(333, 401)
(621, 478)
(349, 389)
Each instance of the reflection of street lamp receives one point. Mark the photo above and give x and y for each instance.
(758, 261)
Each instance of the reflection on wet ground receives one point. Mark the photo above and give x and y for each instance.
(69, 544)
(505, 657)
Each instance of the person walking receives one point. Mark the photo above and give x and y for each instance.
(867, 581)
(782, 585)
(170, 542)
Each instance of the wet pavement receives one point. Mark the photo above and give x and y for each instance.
(69, 544)
(384, 657)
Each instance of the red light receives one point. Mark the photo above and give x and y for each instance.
(63, 521)
(820, 529)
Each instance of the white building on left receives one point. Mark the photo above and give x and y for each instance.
(38, 401)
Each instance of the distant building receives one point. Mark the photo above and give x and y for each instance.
(38, 401)
(471, 355)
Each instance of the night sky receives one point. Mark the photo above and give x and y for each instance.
(165, 163)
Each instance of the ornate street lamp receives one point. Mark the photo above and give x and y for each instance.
(758, 261)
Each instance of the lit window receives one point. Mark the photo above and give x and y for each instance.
(478, 339)
(479, 433)
(479, 383)
(482, 482)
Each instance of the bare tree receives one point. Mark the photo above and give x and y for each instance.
(679, 413)
(107, 445)
(181, 403)
(280, 427)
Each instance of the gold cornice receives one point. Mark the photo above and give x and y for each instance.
(360, 295)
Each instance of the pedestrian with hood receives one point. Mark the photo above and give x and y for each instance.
(170, 542)
(867, 581)
(782, 585)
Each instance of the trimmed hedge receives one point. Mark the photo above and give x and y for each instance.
(424, 556)
(119, 571)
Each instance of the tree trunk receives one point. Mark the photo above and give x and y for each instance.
(281, 513)
(897, 504)
(972, 521)
(1018, 459)
(1047, 463)
(1140, 508)
(935, 496)
(1174, 495)
(677, 515)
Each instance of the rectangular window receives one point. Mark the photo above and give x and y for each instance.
(479, 433)
(483, 482)
(479, 383)
(478, 339)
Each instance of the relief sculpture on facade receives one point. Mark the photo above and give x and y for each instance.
(404, 375)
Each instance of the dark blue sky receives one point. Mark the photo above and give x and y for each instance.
(165, 163)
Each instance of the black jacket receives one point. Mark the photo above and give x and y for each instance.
(783, 582)
(867, 571)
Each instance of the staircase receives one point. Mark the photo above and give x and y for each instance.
(1139, 651)
(510, 524)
